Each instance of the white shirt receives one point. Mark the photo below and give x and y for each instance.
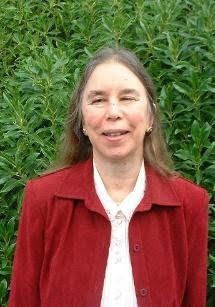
(118, 288)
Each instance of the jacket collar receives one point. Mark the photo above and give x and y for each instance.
(77, 183)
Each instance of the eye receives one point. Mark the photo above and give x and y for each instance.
(128, 99)
(97, 101)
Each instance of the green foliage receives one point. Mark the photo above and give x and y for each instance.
(44, 46)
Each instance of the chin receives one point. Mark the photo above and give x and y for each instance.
(114, 157)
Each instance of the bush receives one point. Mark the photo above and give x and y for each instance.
(44, 46)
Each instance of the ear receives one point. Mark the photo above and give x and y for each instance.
(153, 111)
(151, 119)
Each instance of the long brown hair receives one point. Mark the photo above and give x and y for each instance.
(76, 146)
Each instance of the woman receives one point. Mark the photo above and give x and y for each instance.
(116, 227)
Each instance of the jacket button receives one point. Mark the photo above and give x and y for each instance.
(143, 292)
(136, 247)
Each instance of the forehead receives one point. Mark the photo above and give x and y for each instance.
(113, 75)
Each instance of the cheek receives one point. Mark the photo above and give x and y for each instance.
(91, 119)
(140, 118)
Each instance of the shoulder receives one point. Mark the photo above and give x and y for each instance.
(193, 197)
(173, 189)
(186, 188)
(49, 183)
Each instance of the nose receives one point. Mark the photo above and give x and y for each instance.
(114, 111)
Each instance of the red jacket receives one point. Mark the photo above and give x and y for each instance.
(64, 237)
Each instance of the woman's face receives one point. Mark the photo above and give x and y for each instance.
(116, 112)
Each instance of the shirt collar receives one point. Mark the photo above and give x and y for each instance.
(77, 183)
(128, 205)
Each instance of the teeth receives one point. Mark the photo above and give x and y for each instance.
(115, 133)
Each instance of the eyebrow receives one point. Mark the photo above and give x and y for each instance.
(129, 91)
(95, 93)
(125, 91)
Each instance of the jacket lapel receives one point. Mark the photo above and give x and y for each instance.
(78, 184)
(159, 191)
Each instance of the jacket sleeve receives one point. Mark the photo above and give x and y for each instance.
(28, 254)
(195, 294)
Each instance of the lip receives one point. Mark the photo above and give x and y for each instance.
(115, 134)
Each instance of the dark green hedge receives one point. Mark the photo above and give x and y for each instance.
(45, 44)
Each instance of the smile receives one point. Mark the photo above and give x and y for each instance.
(115, 133)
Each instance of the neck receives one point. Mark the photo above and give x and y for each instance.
(119, 177)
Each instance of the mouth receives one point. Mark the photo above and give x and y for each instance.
(115, 133)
